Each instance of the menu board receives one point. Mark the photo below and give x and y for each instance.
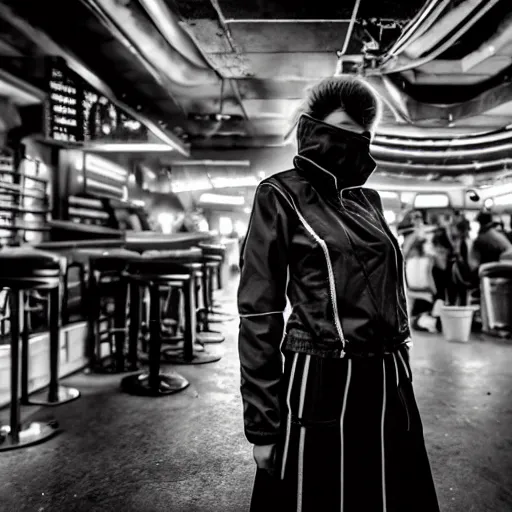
(76, 113)
(64, 110)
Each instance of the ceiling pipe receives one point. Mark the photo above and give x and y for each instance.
(445, 143)
(50, 47)
(165, 20)
(445, 153)
(504, 162)
(501, 38)
(350, 29)
(416, 112)
(141, 37)
(417, 26)
(403, 64)
(442, 29)
(26, 94)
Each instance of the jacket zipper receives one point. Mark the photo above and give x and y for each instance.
(330, 272)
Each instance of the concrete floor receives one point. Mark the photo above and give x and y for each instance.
(187, 452)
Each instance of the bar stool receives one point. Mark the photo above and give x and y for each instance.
(106, 273)
(153, 272)
(191, 352)
(215, 254)
(170, 316)
(23, 270)
(211, 262)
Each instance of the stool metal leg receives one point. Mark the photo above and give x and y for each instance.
(16, 435)
(24, 359)
(116, 362)
(57, 394)
(187, 355)
(154, 383)
(134, 326)
(206, 334)
(216, 315)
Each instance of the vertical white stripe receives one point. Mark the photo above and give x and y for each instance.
(406, 368)
(396, 369)
(383, 452)
(342, 426)
(289, 418)
(302, 439)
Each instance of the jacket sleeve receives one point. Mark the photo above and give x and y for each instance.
(261, 302)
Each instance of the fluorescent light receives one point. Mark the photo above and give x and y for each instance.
(191, 186)
(244, 181)
(131, 147)
(222, 199)
(211, 163)
(503, 200)
(431, 201)
(386, 194)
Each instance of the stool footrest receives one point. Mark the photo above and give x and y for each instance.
(168, 384)
(171, 357)
(210, 337)
(109, 366)
(64, 395)
(29, 434)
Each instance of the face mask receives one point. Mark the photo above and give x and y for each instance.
(341, 152)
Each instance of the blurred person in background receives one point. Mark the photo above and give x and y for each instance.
(338, 428)
(464, 270)
(490, 242)
(420, 279)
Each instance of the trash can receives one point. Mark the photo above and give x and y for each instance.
(496, 297)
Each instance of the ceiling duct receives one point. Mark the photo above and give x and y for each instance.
(419, 24)
(174, 33)
(400, 64)
(461, 142)
(134, 30)
(442, 29)
(500, 39)
(502, 164)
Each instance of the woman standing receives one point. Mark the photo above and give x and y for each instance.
(338, 428)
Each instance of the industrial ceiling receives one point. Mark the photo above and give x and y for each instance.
(228, 75)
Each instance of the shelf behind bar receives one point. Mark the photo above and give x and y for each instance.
(23, 175)
(17, 189)
(22, 210)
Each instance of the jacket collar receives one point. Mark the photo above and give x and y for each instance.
(337, 158)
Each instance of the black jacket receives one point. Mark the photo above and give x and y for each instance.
(329, 250)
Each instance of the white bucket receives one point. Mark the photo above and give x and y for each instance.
(456, 322)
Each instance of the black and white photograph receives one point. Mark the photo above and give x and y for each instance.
(255, 256)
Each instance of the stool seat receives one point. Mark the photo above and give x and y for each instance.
(114, 260)
(212, 249)
(19, 263)
(212, 258)
(146, 266)
(192, 255)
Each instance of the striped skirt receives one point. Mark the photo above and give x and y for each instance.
(352, 440)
